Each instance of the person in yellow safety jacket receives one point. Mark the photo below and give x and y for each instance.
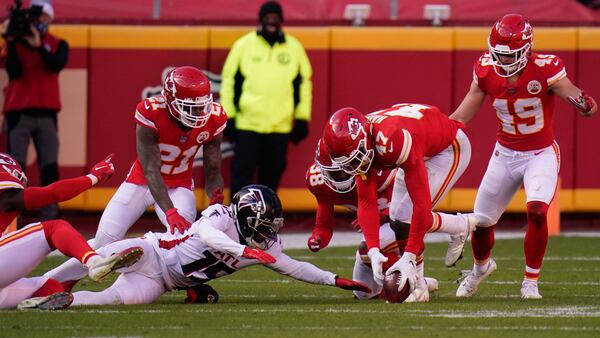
(266, 91)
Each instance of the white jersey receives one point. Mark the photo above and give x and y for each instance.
(211, 249)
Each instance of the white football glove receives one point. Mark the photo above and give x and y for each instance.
(377, 260)
(408, 270)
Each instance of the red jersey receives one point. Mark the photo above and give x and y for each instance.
(525, 107)
(11, 177)
(405, 135)
(177, 147)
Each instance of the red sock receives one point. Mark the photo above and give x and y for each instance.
(61, 235)
(69, 285)
(482, 242)
(536, 238)
(51, 287)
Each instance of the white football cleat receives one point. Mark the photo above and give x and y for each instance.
(432, 284)
(529, 290)
(420, 294)
(56, 301)
(470, 284)
(100, 267)
(457, 242)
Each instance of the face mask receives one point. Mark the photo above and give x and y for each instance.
(41, 27)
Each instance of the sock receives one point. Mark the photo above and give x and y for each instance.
(69, 285)
(482, 242)
(536, 238)
(51, 287)
(61, 235)
(451, 224)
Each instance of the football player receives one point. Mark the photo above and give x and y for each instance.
(432, 152)
(170, 130)
(22, 250)
(522, 86)
(224, 240)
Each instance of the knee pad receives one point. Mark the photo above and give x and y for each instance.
(482, 220)
(537, 212)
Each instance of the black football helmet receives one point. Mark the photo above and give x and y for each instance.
(258, 215)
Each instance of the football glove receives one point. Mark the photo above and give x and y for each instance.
(259, 255)
(319, 239)
(201, 294)
(584, 103)
(102, 171)
(217, 197)
(176, 221)
(348, 284)
(377, 260)
(408, 270)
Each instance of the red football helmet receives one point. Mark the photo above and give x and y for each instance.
(188, 95)
(511, 38)
(347, 139)
(335, 178)
(10, 170)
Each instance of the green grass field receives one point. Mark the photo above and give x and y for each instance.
(259, 302)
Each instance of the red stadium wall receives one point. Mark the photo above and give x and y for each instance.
(111, 67)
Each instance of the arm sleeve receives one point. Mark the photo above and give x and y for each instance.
(230, 68)
(417, 185)
(63, 190)
(215, 238)
(56, 61)
(302, 271)
(324, 222)
(304, 107)
(368, 211)
(13, 65)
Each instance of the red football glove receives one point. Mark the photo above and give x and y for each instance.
(348, 284)
(176, 221)
(102, 171)
(259, 255)
(584, 103)
(319, 239)
(217, 197)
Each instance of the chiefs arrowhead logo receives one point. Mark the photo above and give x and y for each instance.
(354, 128)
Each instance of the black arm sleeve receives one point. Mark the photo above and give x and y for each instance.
(57, 61)
(13, 65)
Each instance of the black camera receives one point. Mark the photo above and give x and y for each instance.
(21, 20)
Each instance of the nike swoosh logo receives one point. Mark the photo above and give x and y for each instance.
(556, 63)
(146, 105)
(537, 153)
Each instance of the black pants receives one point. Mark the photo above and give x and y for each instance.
(265, 153)
(39, 126)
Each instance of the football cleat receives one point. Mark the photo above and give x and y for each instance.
(529, 290)
(470, 284)
(101, 267)
(420, 294)
(457, 242)
(56, 301)
(432, 284)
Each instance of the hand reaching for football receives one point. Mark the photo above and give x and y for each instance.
(348, 284)
(408, 271)
(103, 170)
(259, 255)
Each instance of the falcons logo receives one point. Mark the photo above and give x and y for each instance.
(253, 199)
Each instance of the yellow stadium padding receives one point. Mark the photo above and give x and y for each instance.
(149, 37)
(588, 39)
(392, 38)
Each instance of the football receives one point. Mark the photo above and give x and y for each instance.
(391, 291)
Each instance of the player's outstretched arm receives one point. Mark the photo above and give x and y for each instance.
(63, 190)
(211, 156)
(306, 272)
(567, 91)
(470, 104)
(146, 145)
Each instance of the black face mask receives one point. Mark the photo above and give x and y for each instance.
(271, 32)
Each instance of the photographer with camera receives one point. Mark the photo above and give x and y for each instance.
(33, 59)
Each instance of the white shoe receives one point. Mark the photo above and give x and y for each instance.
(57, 301)
(420, 294)
(457, 242)
(529, 290)
(432, 284)
(101, 267)
(469, 286)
